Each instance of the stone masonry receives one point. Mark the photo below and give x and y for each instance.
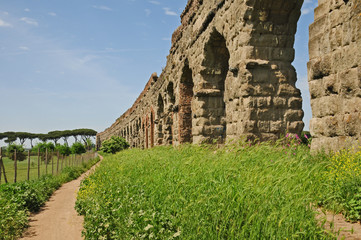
(334, 74)
(228, 76)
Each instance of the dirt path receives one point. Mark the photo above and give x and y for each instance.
(58, 219)
(338, 224)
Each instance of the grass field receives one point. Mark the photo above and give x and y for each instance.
(22, 167)
(192, 192)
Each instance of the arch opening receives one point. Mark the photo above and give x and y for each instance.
(185, 105)
(212, 89)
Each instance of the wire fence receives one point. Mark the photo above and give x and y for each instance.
(36, 165)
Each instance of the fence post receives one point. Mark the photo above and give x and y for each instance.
(15, 167)
(2, 165)
(62, 161)
(46, 161)
(57, 163)
(52, 164)
(38, 162)
(28, 165)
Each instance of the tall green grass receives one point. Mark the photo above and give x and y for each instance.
(200, 192)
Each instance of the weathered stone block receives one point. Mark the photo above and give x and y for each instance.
(335, 96)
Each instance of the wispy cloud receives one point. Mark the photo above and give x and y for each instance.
(24, 48)
(306, 11)
(166, 39)
(147, 12)
(27, 10)
(105, 8)
(167, 11)
(29, 21)
(52, 14)
(308, 6)
(4, 24)
(155, 2)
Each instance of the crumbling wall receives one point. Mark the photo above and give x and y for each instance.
(334, 74)
(228, 75)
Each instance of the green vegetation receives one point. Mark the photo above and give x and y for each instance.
(20, 155)
(63, 149)
(114, 144)
(344, 190)
(42, 147)
(18, 199)
(84, 133)
(77, 148)
(201, 192)
(52, 162)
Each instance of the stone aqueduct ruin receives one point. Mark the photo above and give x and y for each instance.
(229, 76)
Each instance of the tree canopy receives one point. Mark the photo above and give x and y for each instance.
(84, 133)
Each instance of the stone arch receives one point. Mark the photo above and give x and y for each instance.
(151, 128)
(145, 126)
(168, 122)
(185, 105)
(211, 94)
(160, 120)
(160, 110)
(170, 93)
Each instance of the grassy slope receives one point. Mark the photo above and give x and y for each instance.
(261, 192)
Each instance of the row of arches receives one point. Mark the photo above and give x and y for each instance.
(179, 109)
(225, 77)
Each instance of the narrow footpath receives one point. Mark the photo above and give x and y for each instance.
(58, 219)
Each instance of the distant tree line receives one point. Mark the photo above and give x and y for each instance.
(83, 134)
(49, 142)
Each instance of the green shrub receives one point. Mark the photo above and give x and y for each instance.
(63, 149)
(114, 144)
(344, 188)
(20, 152)
(42, 146)
(78, 148)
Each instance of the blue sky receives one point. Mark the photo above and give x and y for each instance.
(69, 64)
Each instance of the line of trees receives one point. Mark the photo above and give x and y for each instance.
(83, 134)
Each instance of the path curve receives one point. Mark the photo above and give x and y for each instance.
(58, 219)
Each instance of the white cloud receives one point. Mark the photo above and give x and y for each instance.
(155, 2)
(167, 11)
(4, 24)
(166, 39)
(147, 12)
(105, 8)
(306, 11)
(52, 14)
(27, 10)
(29, 21)
(24, 48)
